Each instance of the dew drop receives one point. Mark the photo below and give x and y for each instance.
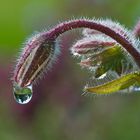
(22, 95)
(136, 89)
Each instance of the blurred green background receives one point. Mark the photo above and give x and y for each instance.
(58, 111)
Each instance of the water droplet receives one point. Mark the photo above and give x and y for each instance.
(22, 95)
(136, 89)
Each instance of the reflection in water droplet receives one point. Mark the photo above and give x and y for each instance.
(23, 99)
(22, 95)
(136, 88)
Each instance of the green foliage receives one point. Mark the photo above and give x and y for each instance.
(118, 84)
(112, 58)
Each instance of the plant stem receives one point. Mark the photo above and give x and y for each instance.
(83, 23)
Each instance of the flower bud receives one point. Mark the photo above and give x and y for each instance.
(38, 54)
(91, 45)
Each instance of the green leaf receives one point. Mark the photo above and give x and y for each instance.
(112, 58)
(118, 84)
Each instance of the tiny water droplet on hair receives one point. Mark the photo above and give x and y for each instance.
(22, 95)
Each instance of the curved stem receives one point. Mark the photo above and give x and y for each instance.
(83, 23)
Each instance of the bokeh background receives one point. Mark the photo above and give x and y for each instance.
(57, 110)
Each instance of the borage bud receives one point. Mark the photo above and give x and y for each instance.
(37, 54)
(91, 45)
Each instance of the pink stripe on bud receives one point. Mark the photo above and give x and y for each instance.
(91, 45)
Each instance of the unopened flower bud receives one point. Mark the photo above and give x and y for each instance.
(37, 54)
(91, 45)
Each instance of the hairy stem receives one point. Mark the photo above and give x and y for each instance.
(83, 23)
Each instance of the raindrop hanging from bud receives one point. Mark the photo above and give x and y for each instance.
(37, 56)
(22, 95)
